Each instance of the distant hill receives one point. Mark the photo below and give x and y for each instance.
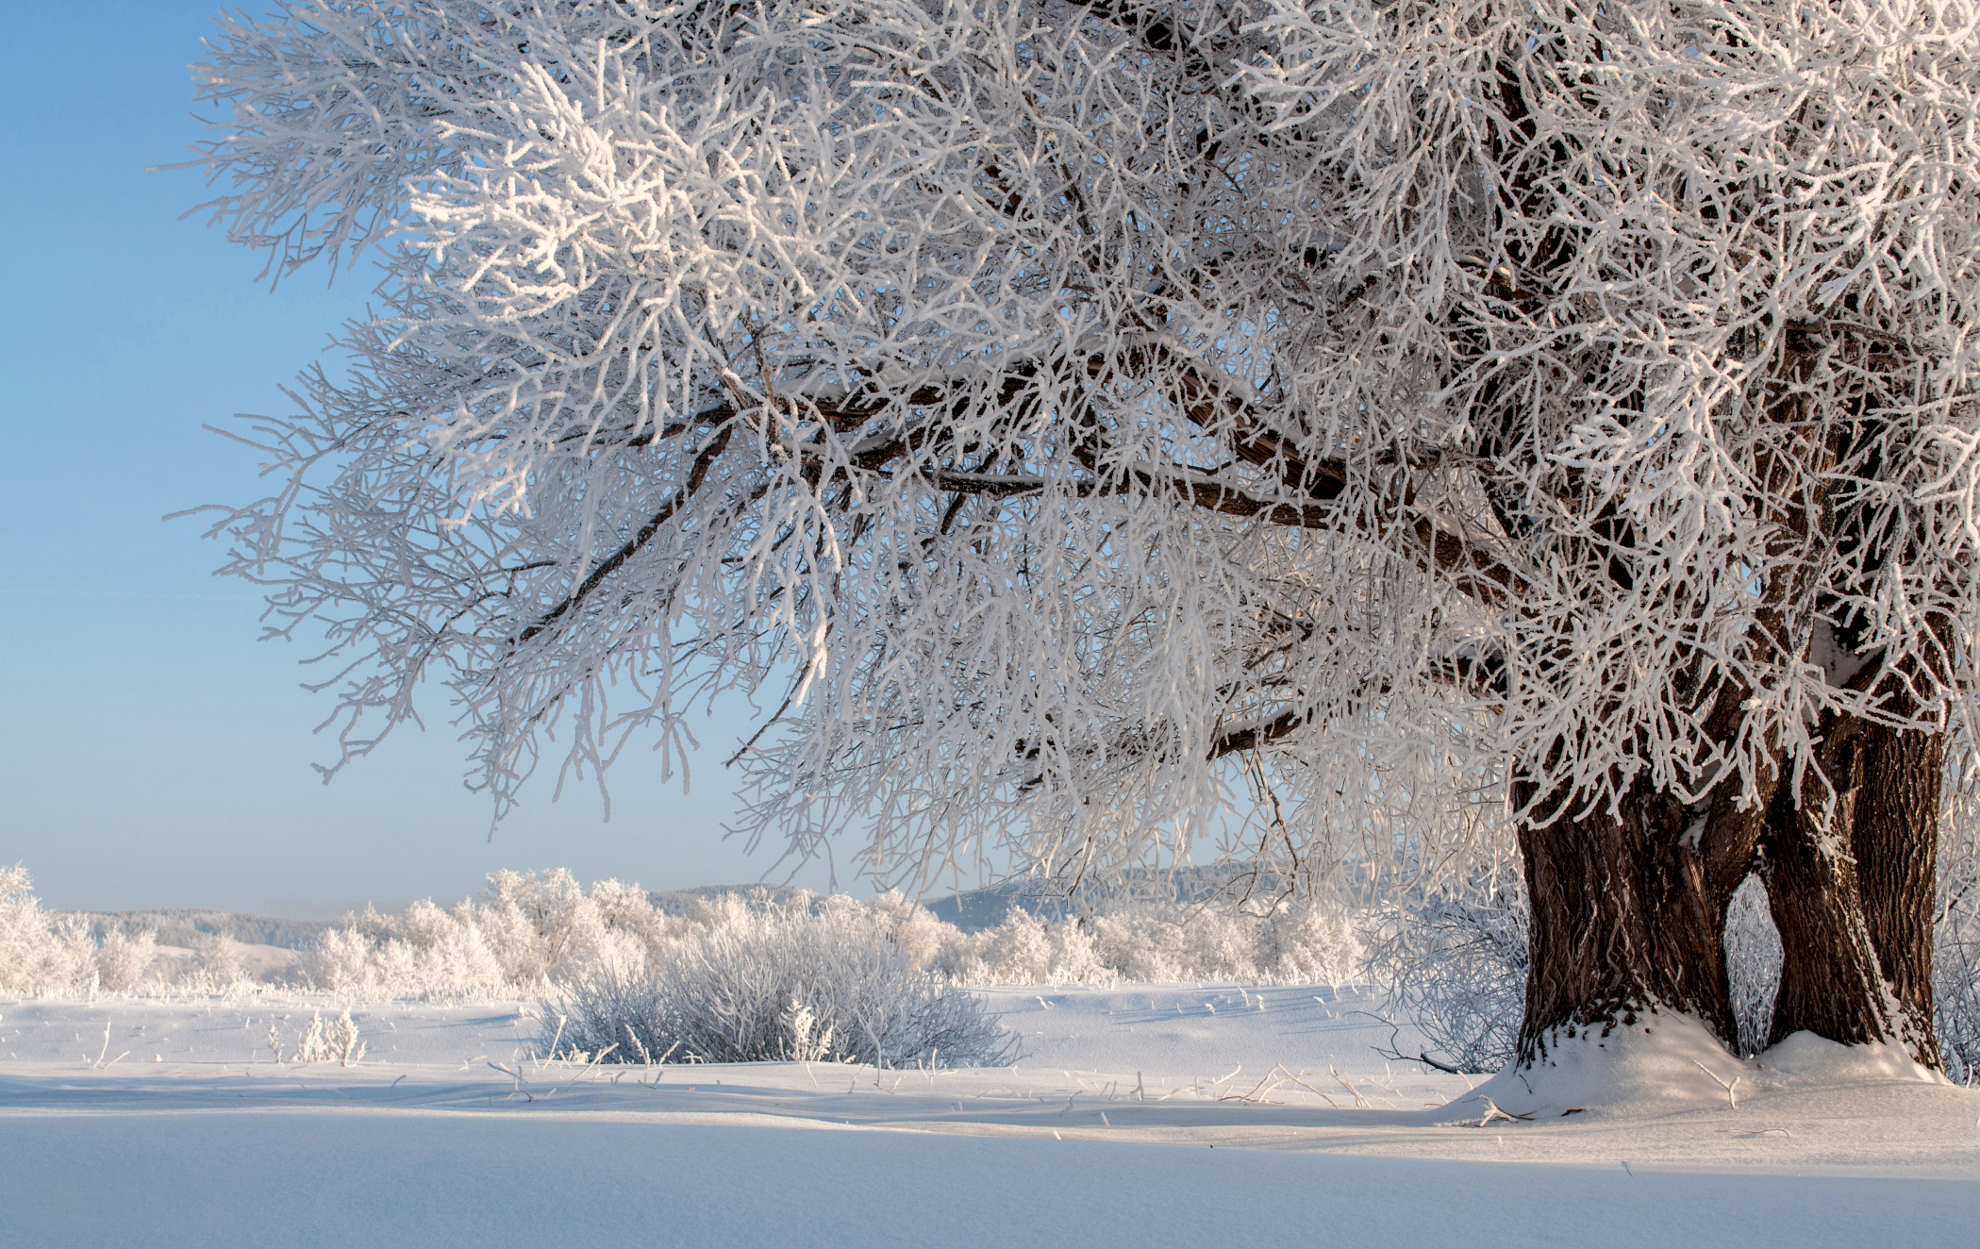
(976, 909)
(971, 910)
(178, 925)
(681, 901)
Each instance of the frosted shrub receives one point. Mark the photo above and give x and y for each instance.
(431, 952)
(776, 984)
(71, 963)
(614, 953)
(39, 952)
(1138, 944)
(216, 959)
(339, 961)
(1753, 963)
(1025, 949)
(1956, 967)
(123, 958)
(625, 911)
(312, 1047)
(27, 947)
(526, 926)
(535, 921)
(424, 952)
(335, 1042)
(1303, 943)
(1157, 942)
(1455, 965)
(912, 928)
(1956, 980)
(341, 1040)
(529, 927)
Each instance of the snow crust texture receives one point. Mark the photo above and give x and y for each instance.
(1152, 1115)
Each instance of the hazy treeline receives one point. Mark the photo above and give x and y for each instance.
(527, 929)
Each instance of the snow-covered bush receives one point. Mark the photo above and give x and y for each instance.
(1956, 963)
(536, 921)
(1454, 964)
(627, 912)
(526, 926)
(1158, 941)
(1753, 963)
(1305, 942)
(216, 958)
(123, 958)
(912, 928)
(1152, 942)
(774, 983)
(1957, 984)
(1025, 949)
(39, 952)
(339, 960)
(422, 952)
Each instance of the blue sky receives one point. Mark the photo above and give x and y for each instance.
(152, 753)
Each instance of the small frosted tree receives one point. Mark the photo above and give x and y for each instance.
(1439, 417)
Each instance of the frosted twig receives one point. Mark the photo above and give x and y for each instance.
(1360, 1102)
(595, 1060)
(1732, 1099)
(1493, 1111)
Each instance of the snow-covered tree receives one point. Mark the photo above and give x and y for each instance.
(1436, 416)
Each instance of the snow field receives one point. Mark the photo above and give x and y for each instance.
(320, 1178)
(1137, 1115)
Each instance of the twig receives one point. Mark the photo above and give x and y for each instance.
(515, 1075)
(595, 1060)
(1360, 1102)
(1493, 1111)
(561, 1019)
(1394, 1055)
(1732, 1099)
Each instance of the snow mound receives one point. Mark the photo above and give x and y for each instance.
(1804, 1059)
(1666, 1063)
(1670, 1063)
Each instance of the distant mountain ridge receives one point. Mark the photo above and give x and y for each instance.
(179, 925)
(971, 910)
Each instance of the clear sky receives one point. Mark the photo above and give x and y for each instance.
(152, 752)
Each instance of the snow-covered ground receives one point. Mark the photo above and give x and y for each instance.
(1147, 1115)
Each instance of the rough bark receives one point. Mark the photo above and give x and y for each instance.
(1830, 982)
(1897, 848)
(1628, 915)
(1850, 874)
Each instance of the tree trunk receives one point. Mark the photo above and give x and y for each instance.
(1850, 874)
(1897, 851)
(1628, 916)
(1830, 981)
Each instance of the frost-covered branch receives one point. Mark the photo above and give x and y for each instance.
(1080, 396)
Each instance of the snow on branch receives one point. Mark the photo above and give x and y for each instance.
(1048, 401)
